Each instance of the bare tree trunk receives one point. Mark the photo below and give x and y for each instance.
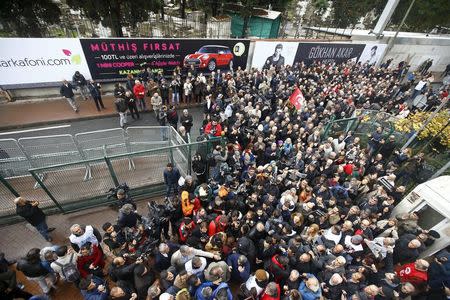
(245, 26)
(116, 19)
(183, 9)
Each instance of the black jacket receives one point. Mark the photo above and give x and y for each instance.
(121, 105)
(66, 90)
(33, 214)
(94, 89)
(31, 269)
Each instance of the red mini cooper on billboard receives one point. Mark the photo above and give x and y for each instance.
(210, 57)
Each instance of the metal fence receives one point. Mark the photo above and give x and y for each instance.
(82, 183)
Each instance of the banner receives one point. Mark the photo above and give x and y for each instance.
(40, 60)
(276, 53)
(115, 58)
(372, 53)
(328, 53)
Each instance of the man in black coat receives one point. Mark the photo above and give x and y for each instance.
(79, 81)
(94, 89)
(30, 211)
(66, 91)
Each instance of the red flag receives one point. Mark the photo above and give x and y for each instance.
(297, 99)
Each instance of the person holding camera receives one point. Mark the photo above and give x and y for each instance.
(30, 211)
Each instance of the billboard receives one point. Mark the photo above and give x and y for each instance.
(268, 54)
(372, 53)
(114, 58)
(276, 53)
(328, 53)
(40, 60)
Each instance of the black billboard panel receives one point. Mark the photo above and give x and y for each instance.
(115, 58)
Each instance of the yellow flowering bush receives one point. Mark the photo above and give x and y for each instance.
(415, 120)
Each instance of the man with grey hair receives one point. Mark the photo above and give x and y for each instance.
(81, 235)
(186, 120)
(186, 253)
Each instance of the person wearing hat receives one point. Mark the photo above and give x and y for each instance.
(255, 284)
(93, 288)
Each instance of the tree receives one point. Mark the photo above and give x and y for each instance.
(28, 18)
(424, 15)
(116, 13)
(349, 12)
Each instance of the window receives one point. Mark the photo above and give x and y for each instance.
(428, 217)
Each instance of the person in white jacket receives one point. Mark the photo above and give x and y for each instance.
(186, 253)
(195, 265)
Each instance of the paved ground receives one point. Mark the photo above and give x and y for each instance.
(53, 113)
(17, 239)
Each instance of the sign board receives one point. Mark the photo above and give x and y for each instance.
(40, 60)
(276, 53)
(116, 57)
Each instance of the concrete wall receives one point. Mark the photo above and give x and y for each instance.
(412, 47)
(49, 92)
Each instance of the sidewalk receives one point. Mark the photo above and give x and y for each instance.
(17, 239)
(21, 114)
(24, 113)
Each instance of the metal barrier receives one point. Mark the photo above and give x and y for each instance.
(65, 189)
(13, 160)
(137, 137)
(100, 143)
(180, 156)
(50, 150)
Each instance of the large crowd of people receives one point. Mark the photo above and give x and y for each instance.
(275, 211)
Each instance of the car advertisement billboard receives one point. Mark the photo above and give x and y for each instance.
(114, 58)
(25, 61)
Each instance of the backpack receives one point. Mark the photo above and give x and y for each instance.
(69, 270)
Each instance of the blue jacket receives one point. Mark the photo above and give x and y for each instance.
(198, 292)
(94, 294)
(232, 261)
(172, 176)
(308, 294)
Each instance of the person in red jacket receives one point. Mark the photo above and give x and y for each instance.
(91, 261)
(139, 93)
(219, 224)
(272, 292)
(279, 268)
(416, 273)
(213, 128)
(185, 230)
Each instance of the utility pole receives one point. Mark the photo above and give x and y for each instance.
(392, 39)
(385, 17)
